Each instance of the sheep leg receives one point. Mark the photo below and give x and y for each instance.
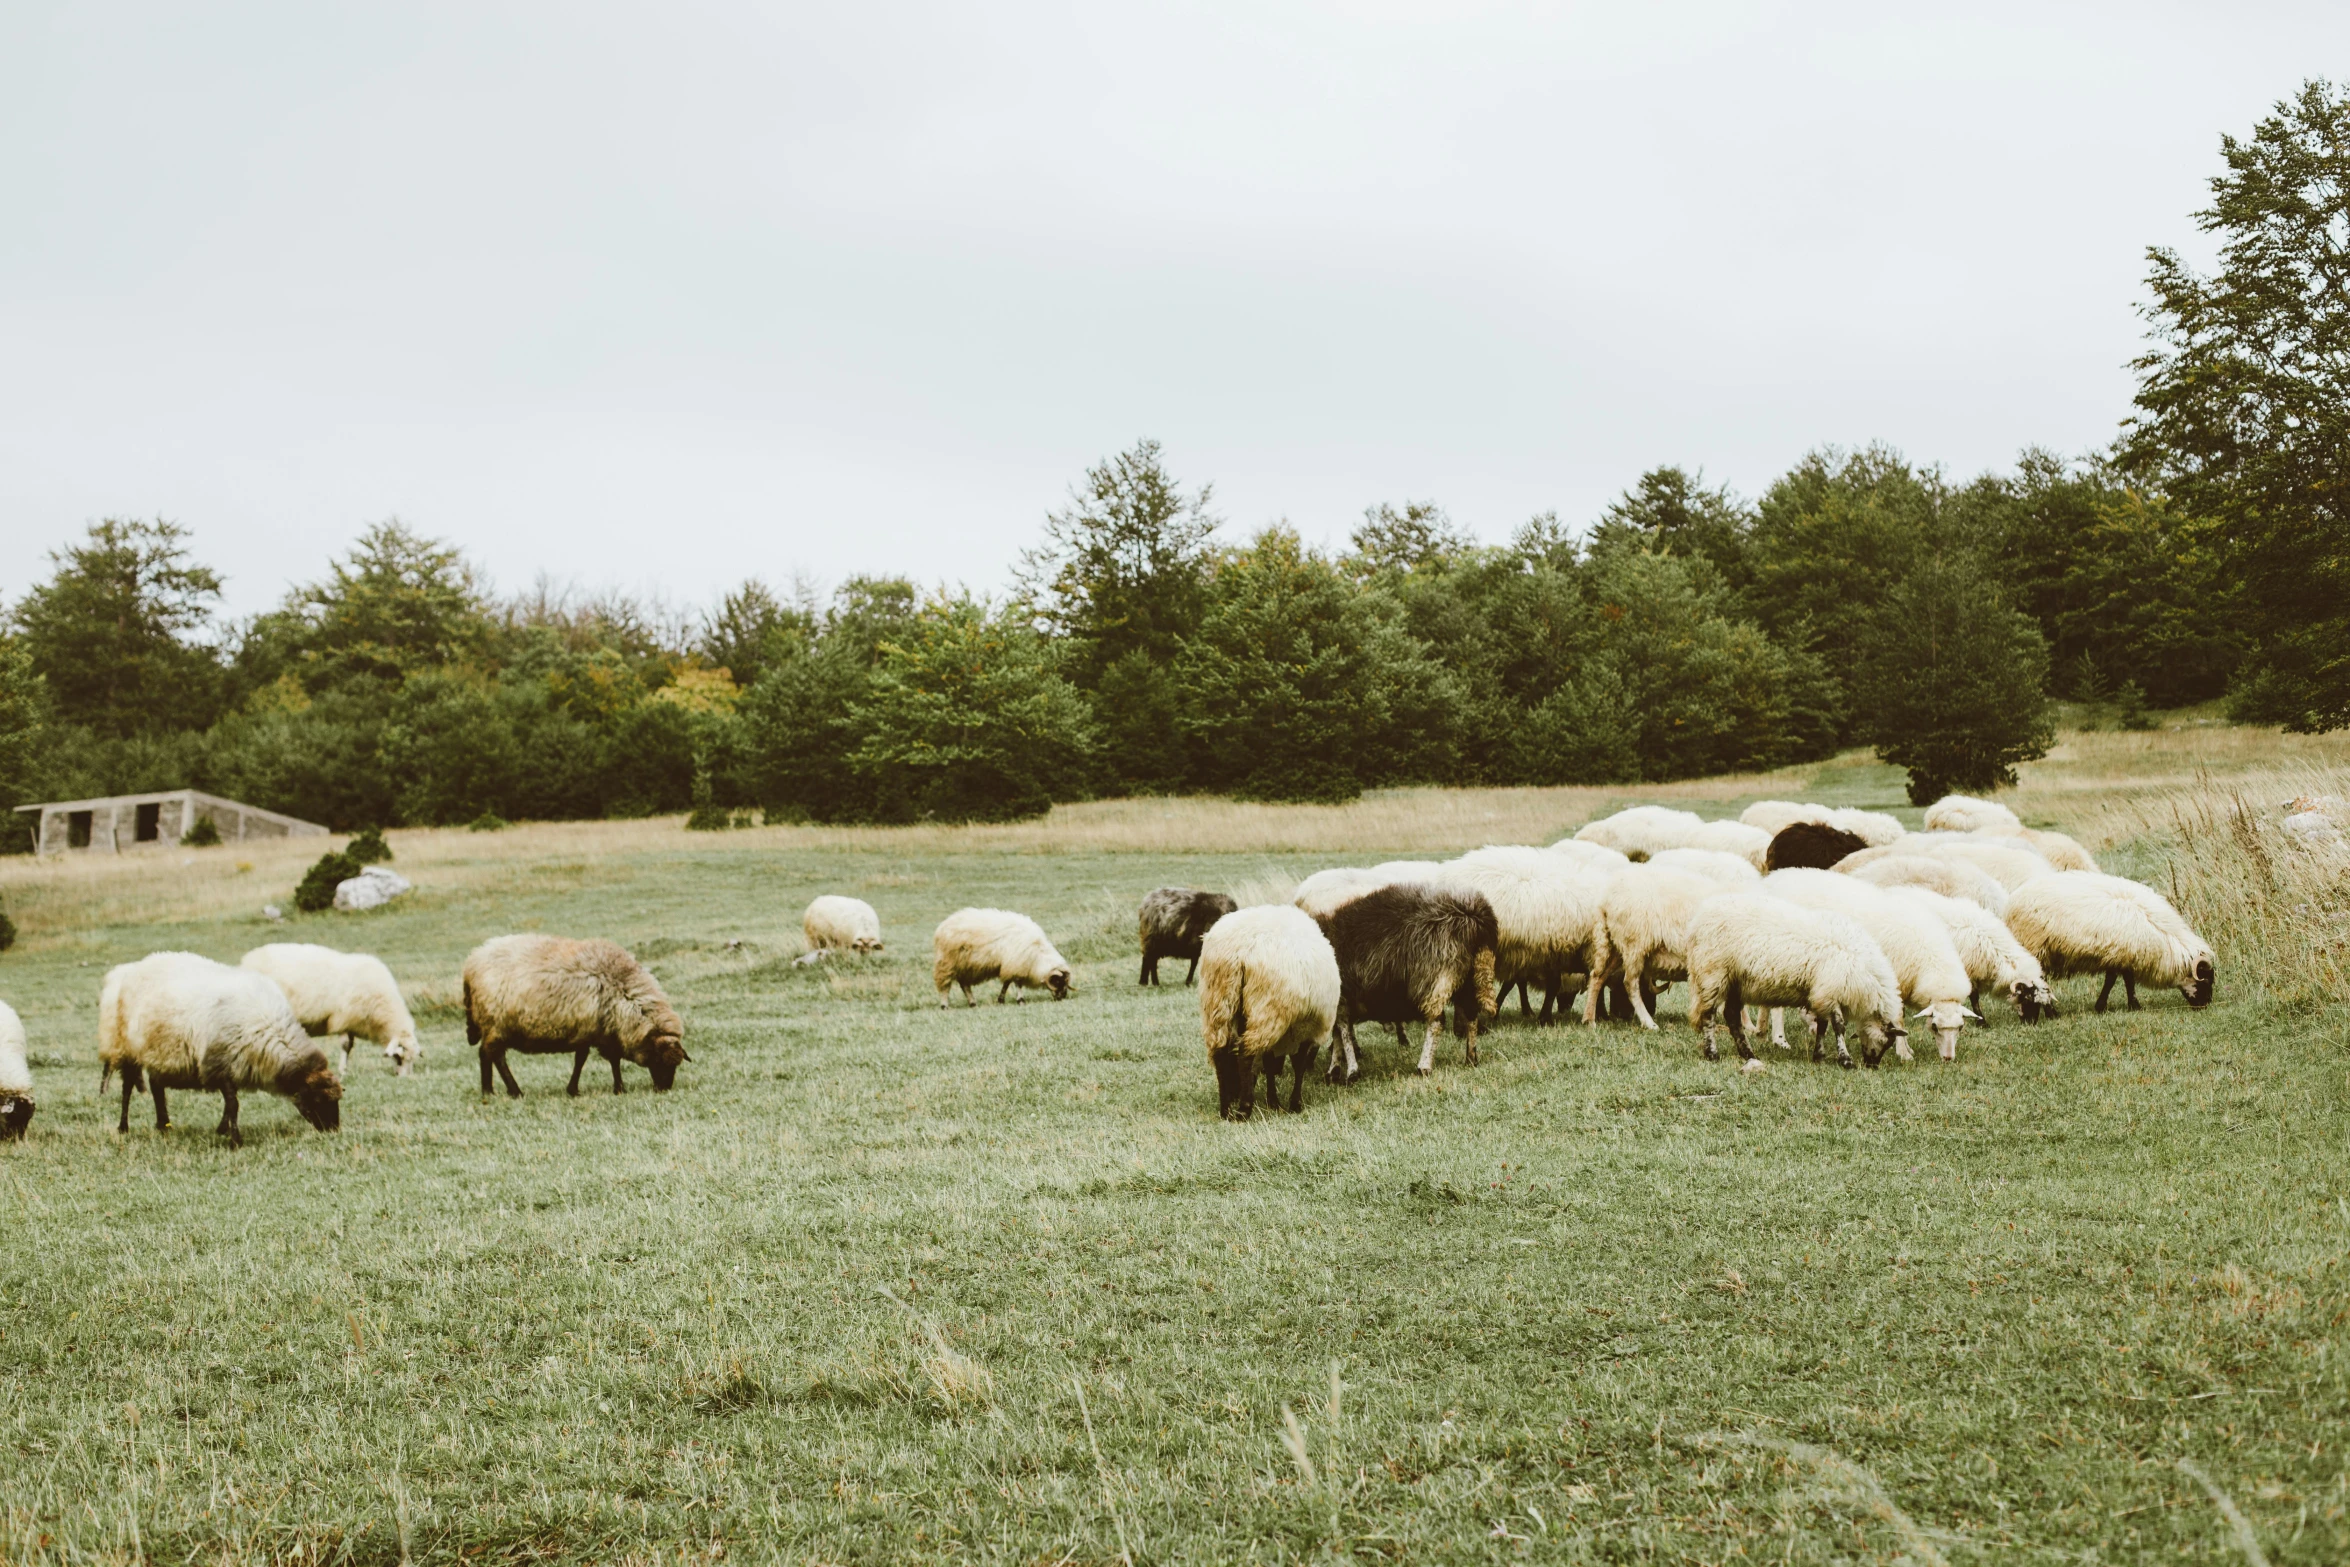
(1734, 1014)
(615, 1060)
(1469, 1045)
(228, 1117)
(1525, 1007)
(1004, 990)
(1189, 974)
(1428, 1048)
(2106, 994)
(969, 999)
(162, 1109)
(1779, 1028)
(513, 1089)
(347, 1042)
(485, 1074)
(578, 1065)
(1843, 1055)
(1644, 998)
(1150, 967)
(2130, 989)
(1301, 1061)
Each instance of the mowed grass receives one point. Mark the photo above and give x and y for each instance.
(880, 1282)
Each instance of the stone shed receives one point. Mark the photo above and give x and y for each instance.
(146, 821)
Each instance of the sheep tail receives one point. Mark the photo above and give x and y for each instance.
(472, 1026)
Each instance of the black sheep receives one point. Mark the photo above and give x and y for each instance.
(1173, 921)
(1404, 951)
(1811, 846)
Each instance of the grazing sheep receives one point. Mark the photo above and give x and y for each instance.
(837, 924)
(1965, 813)
(1950, 878)
(1641, 830)
(984, 944)
(175, 1020)
(1268, 994)
(1914, 940)
(1545, 908)
(1776, 816)
(1174, 920)
(1812, 845)
(1643, 933)
(1749, 949)
(1750, 844)
(346, 993)
(1729, 869)
(2009, 863)
(2083, 922)
(1406, 950)
(16, 1077)
(1321, 893)
(1392, 871)
(550, 995)
(1592, 856)
(1992, 955)
(1870, 827)
(2061, 850)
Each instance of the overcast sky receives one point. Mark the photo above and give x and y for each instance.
(663, 296)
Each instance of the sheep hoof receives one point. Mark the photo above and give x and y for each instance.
(1422, 1071)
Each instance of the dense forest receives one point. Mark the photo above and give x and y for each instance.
(1859, 600)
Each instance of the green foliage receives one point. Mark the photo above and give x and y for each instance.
(24, 726)
(1299, 688)
(2129, 707)
(752, 631)
(1671, 512)
(487, 821)
(398, 603)
(7, 931)
(966, 718)
(317, 890)
(2244, 401)
(706, 815)
(112, 633)
(1953, 683)
(205, 834)
(367, 846)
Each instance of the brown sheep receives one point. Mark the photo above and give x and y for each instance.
(547, 995)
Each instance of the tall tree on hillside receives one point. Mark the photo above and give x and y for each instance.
(397, 603)
(1420, 537)
(24, 715)
(1117, 581)
(114, 634)
(1954, 685)
(1671, 511)
(2244, 402)
(752, 629)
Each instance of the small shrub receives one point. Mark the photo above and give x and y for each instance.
(7, 931)
(2130, 707)
(368, 847)
(317, 892)
(487, 821)
(706, 816)
(204, 835)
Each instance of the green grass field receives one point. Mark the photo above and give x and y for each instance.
(880, 1282)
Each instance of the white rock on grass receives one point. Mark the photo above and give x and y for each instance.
(372, 888)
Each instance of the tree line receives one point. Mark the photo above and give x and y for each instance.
(1859, 600)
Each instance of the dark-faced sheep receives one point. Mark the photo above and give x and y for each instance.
(973, 946)
(1173, 922)
(1811, 846)
(1268, 994)
(2082, 922)
(16, 1077)
(176, 1020)
(1404, 953)
(549, 995)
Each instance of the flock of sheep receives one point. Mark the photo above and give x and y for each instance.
(1844, 916)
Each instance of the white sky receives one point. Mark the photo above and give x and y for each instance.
(664, 296)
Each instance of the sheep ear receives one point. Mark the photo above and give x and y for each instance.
(1923, 1012)
(1971, 1012)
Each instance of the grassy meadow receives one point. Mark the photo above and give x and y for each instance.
(883, 1283)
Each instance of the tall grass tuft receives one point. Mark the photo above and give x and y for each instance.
(2274, 904)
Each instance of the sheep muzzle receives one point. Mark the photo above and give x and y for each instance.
(1058, 980)
(661, 1055)
(16, 1113)
(2198, 991)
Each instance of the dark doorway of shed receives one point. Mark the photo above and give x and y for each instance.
(77, 829)
(150, 826)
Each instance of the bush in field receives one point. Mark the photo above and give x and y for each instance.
(966, 719)
(367, 846)
(205, 835)
(317, 891)
(1953, 684)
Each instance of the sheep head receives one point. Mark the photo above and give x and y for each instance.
(1947, 1017)
(403, 1053)
(16, 1113)
(1058, 982)
(311, 1083)
(866, 944)
(2033, 1000)
(2197, 990)
(660, 1053)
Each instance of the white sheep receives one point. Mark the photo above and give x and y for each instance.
(346, 993)
(837, 924)
(176, 1020)
(1729, 869)
(1750, 844)
(1749, 949)
(1390, 872)
(1324, 892)
(2009, 863)
(1925, 960)
(1641, 830)
(1992, 955)
(1546, 909)
(2061, 850)
(16, 1077)
(1965, 813)
(1950, 878)
(1870, 827)
(1591, 856)
(984, 944)
(2084, 922)
(1643, 933)
(1268, 993)
(1771, 817)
